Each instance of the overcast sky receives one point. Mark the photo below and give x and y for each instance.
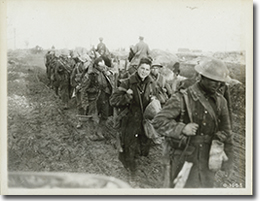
(215, 25)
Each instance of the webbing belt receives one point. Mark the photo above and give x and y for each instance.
(200, 139)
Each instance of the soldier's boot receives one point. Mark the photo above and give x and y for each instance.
(98, 136)
(73, 94)
(65, 107)
(80, 124)
(56, 91)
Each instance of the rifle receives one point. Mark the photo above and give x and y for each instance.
(126, 62)
(94, 51)
(116, 119)
(66, 66)
(116, 122)
(115, 112)
(179, 178)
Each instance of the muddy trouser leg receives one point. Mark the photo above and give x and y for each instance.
(127, 157)
(55, 85)
(52, 78)
(104, 109)
(103, 106)
(80, 109)
(169, 168)
(64, 92)
(145, 144)
(48, 73)
(95, 120)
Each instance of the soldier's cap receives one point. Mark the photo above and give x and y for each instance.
(141, 37)
(176, 67)
(145, 60)
(57, 54)
(156, 64)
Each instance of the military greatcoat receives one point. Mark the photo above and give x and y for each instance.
(134, 140)
(212, 115)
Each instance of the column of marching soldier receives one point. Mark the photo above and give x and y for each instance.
(190, 119)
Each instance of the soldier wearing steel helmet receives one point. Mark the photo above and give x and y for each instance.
(163, 89)
(79, 73)
(190, 121)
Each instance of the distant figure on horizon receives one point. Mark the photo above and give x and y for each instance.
(101, 47)
(139, 51)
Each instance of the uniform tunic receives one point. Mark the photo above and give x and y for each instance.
(75, 80)
(62, 72)
(203, 107)
(163, 89)
(96, 92)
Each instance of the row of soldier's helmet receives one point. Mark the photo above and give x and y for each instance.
(61, 53)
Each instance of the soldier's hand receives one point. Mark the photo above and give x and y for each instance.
(108, 73)
(190, 129)
(129, 91)
(101, 63)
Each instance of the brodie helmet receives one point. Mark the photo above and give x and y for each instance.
(157, 64)
(213, 69)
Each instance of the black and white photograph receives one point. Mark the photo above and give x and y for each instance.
(109, 97)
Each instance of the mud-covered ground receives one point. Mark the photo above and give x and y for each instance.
(43, 137)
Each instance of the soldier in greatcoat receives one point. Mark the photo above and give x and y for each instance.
(79, 73)
(95, 96)
(190, 121)
(163, 89)
(133, 95)
(61, 73)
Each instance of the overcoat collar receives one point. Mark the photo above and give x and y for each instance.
(136, 79)
(196, 91)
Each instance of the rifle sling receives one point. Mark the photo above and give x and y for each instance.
(183, 103)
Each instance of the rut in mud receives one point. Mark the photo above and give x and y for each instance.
(43, 137)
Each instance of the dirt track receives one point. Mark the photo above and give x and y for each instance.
(43, 137)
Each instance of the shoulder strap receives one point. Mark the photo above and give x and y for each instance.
(183, 103)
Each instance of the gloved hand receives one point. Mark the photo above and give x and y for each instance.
(221, 136)
(78, 87)
(164, 90)
(129, 94)
(216, 155)
(129, 91)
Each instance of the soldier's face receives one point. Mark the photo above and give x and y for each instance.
(155, 70)
(101, 63)
(144, 70)
(210, 85)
